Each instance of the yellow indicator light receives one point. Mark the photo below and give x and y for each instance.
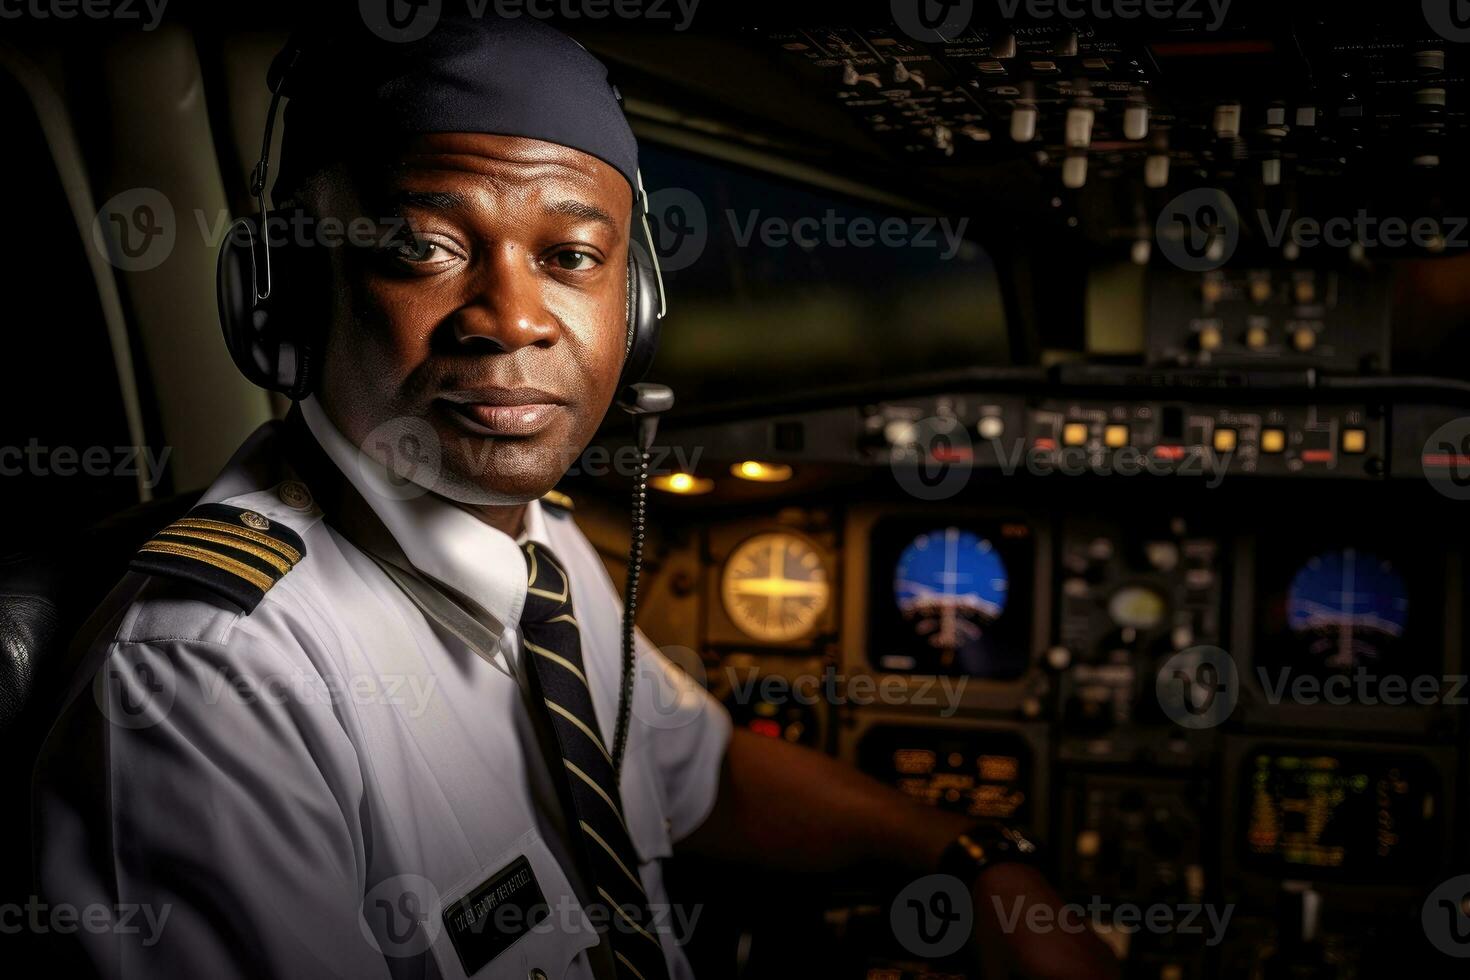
(685, 483)
(761, 472)
(1115, 436)
(1273, 440)
(1354, 440)
(1074, 434)
(1224, 440)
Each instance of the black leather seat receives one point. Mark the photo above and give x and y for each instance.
(45, 598)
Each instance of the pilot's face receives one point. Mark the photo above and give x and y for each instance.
(499, 324)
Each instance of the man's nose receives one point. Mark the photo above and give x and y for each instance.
(505, 309)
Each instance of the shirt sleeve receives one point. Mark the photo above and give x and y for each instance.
(689, 732)
(210, 805)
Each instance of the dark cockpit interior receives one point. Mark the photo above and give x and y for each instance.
(1072, 429)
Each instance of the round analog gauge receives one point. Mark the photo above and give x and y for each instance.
(951, 584)
(1347, 607)
(775, 587)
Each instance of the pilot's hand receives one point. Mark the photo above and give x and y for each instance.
(1021, 927)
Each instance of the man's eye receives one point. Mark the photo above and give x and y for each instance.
(574, 261)
(417, 250)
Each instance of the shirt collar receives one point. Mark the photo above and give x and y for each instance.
(441, 540)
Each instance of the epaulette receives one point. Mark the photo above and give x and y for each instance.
(559, 500)
(234, 553)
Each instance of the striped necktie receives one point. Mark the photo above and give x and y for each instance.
(554, 652)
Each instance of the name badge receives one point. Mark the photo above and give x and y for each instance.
(494, 914)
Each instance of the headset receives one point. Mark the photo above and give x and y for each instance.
(273, 322)
(273, 325)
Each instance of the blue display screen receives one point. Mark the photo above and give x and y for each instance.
(1348, 606)
(951, 591)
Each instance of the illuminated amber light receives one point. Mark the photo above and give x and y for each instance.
(761, 472)
(685, 483)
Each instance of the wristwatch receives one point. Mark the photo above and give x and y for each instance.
(984, 846)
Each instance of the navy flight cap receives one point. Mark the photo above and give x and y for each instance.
(353, 91)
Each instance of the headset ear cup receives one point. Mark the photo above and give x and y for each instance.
(643, 319)
(272, 340)
(239, 277)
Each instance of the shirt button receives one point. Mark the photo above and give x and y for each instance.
(294, 494)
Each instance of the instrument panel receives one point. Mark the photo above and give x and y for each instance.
(948, 609)
(1168, 677)
(1364, 816)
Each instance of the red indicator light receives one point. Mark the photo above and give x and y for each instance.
(766, 727)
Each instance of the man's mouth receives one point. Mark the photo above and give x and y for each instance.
(502, 411)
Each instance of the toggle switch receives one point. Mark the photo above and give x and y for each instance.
(1135, 121)
(1078, 133)
(1156, 170)
(1023, 123)
(1227, 120)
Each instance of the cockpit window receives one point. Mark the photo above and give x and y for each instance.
(775, 285)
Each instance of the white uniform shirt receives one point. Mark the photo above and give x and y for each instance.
(301, 790)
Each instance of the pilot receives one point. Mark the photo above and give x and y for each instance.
(355, 717)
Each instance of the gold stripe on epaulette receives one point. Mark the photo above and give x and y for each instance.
(230, 541)
(254, 576)
(206, 524)
(558, 499)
